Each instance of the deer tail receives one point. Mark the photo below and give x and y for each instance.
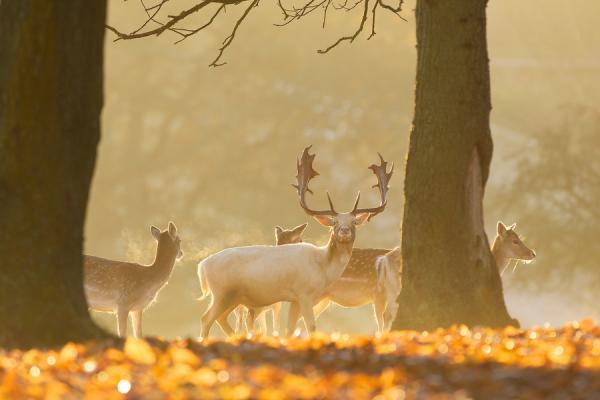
(203, 283)
(380, 268)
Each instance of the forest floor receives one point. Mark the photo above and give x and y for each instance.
(458, 362)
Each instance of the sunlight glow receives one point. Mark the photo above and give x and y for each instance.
(124, 386)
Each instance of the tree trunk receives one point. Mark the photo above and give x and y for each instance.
(51, 75)
(449, 274)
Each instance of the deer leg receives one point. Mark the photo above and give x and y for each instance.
(306, 308)
(293, 314)
(216, 309)
(239, 318)
(263, 321)
(122, 316)
(250, 318)
(223, 322)
(276, 311)
(321, 306)
(379, 306)
(260, 315)
(136, 321)
(390, 313)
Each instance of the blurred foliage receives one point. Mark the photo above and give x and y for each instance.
(455, 363)
(214, 149)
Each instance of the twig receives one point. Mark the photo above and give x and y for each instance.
(353, 36)
(374, 12)
(210, 21)
(229, 39)
(174, 19)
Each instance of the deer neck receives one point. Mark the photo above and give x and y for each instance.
(163, 264)
(337, 257)
(499, 255)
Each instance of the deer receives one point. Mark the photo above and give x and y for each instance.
(373, 276)
(126, 288)
(509, 246)
(361, 270)
(282, 236)
(261, 275)
(388, 268)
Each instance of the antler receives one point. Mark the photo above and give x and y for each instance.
(383, 178)
(305, 174)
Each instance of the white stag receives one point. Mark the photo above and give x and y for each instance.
(282, 236)
(359, 284)
(126, 288)
(258, 276)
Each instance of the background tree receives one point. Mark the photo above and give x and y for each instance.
(50, 103)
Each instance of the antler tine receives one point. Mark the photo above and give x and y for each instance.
(330, 203)
(383, 178)
(356, 203)
(305, 174)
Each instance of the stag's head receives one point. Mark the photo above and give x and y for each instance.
(289, 236)
(168, 240)
(512, 245)
(343, 224)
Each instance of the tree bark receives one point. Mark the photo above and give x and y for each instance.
(449, 274)
(51, 80)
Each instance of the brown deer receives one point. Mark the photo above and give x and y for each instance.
(508, 246)
(258, 276)
(126, 288)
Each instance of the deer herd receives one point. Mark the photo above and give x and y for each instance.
(249, 281)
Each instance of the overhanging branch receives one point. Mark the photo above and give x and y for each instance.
(290, 14)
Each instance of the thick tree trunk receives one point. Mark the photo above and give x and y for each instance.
(449, 275)
(51, 72)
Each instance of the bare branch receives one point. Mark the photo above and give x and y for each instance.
(353, 36)
(290, 15)
(210, 21)
(227, 42)
(297, 13)
(174, 20)
(374, 11)
(345, 6)
(325, 12)
(395, 10)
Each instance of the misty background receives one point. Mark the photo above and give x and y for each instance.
(214, 149)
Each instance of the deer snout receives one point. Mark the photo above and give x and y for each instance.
(533, 255)
(344, 231)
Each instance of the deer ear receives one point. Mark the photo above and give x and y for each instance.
(361, 218)
(172, 230)
(300, 229)
(512, 227)
(155, 232)
(325, 220)
(501, 229)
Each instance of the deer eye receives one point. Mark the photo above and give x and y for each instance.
(516, 241)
